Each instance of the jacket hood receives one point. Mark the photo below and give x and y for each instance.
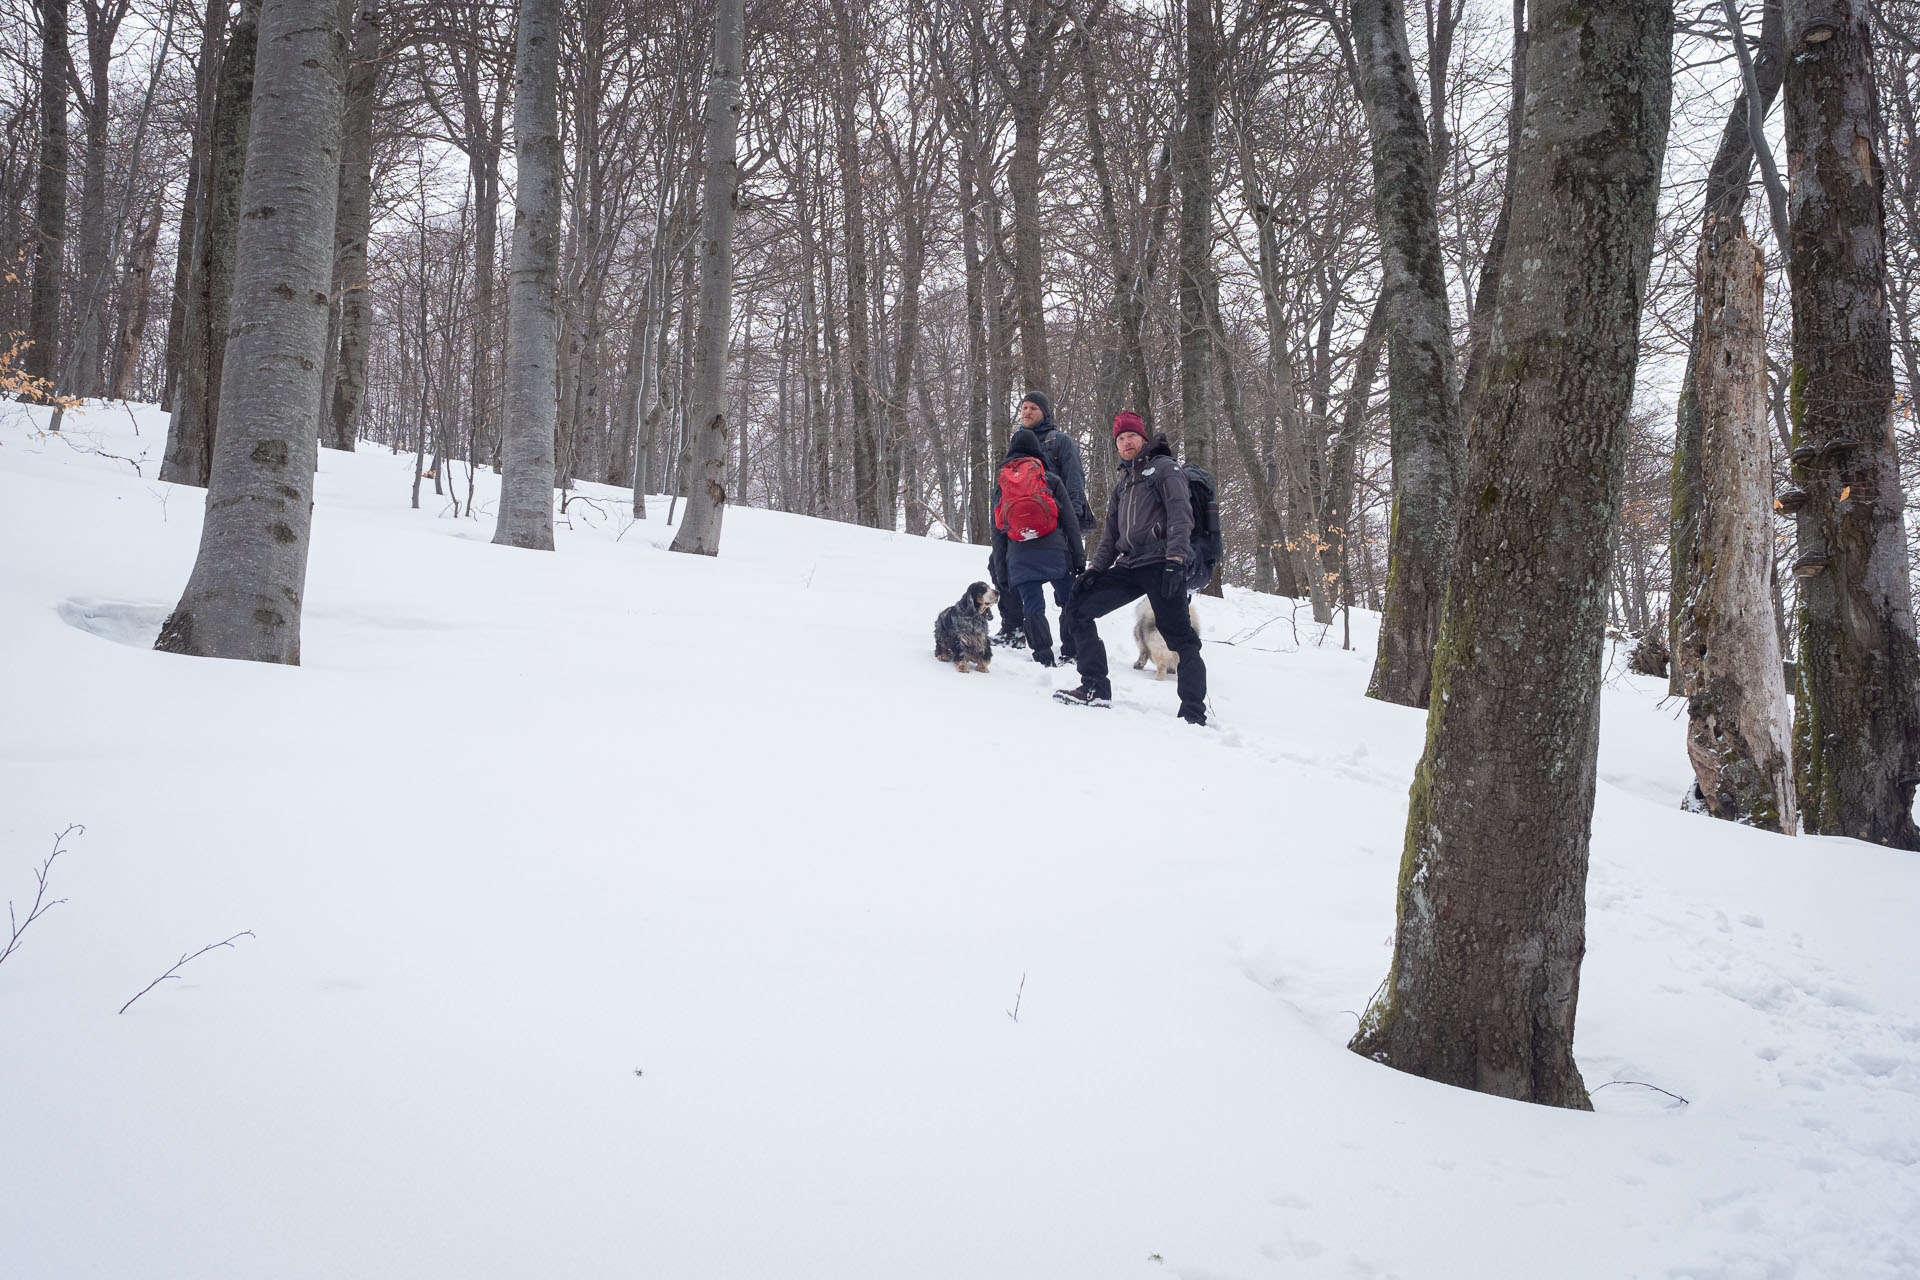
(1025, 444)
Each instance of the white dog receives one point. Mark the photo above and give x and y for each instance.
(1153, 645)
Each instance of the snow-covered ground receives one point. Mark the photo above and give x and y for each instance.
(618, 914)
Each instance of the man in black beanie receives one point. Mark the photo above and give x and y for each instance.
(1061, 453)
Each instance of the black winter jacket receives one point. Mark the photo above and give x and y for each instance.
(1150, 515)
(1062, 456)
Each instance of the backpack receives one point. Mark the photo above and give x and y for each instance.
(1206, 539)
(1026, 510)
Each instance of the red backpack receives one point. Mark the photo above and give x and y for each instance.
(1026, 511)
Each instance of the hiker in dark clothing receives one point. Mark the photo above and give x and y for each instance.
(1061, 452)
(1036, 540)
(1144, 550)
(1062, 455)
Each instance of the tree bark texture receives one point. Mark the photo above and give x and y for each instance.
(706, 488)
(533, 281)
(1195, 164)
(1429, 448)
(352, 225)
(1024, 178)
(1737, 720)
(1857, 719)
(193, 426)
(1485, 975)
(206, 81)
(1729, 178)
(84, 362)
(244, 597)
(866, 432)
(42, 358)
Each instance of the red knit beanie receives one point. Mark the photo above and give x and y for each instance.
(1127, 420)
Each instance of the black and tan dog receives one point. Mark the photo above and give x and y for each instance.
(960, 632)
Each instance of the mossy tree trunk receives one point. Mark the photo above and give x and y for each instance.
(1857, 719)
(1737, 730)
(248, 585)
(1429, 449)
(1485, 975)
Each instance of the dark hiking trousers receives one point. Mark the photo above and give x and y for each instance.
(1100, 594)
(1033, 611)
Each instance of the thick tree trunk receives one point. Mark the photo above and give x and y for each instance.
(193, 426)
(42, 356)
(85, 362)
(1429, 448)
(1857, 719)
(1194, 160)
(206, 80)
(1728, 179)
(355, 220)
(913, 258)
(527, 437)
(486, 248)
(138, 297)
(706, 487)
(819, 458)
(1124, 383)
(244, 597)
(866, 432)
(1024, 179)
(1492, 894)
(1737, 726)
(979, 393)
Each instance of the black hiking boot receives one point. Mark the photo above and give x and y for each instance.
(1083, 696)
(1011, 639)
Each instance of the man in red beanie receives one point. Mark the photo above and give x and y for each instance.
(1144, 550)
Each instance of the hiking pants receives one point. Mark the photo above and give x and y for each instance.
(1115, 588)
(1033, 611)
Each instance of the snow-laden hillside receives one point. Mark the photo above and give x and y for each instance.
(622, 914)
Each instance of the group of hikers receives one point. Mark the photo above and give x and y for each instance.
(1145, 548)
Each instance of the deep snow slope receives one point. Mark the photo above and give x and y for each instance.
(618, 913)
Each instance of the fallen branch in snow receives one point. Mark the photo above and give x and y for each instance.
(41, 905)
(1644, 1085)
(1014, 1012)
(95, 451)
(175, 971)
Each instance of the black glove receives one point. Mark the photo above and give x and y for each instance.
(1173, 580)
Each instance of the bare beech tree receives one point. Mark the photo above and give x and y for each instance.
(527, 472)
(699, 532)
(1485, 976)
(248, 584)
